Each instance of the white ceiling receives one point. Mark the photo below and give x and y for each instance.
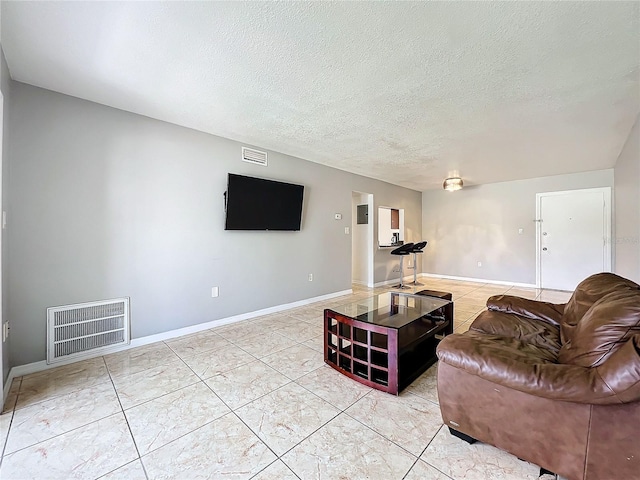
(403, 92)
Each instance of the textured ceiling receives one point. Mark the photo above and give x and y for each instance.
(404, 92)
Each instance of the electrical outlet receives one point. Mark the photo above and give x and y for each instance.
(479, 264)
(346, 230)
(311, 277)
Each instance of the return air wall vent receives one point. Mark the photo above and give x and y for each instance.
(86, 329)
(254, 156)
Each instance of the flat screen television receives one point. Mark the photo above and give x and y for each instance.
(259, 204)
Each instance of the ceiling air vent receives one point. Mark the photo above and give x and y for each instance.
(254, 156)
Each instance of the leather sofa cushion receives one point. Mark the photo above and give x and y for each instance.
(604, 328)
(481, 349)
(513, 364)
(535, 332)
(588, 292)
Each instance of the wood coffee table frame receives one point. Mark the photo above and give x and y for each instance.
(381, 357)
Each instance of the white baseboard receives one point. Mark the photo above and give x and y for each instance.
(42, 365)
(478, 280)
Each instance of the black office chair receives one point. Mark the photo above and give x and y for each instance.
(402, 251)
(417, 248)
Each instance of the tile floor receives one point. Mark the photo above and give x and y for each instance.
(233, 402)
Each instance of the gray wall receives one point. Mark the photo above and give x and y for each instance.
(105, 203)
(480, 223)
(5, 85)
(627, 207)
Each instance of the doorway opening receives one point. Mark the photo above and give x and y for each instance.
(362, 218)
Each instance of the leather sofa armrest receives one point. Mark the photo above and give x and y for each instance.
(621, 371)
(616, 381)
(545, 311)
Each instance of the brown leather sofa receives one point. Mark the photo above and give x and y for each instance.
(557, 385)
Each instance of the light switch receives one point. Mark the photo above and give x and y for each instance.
(520, 231)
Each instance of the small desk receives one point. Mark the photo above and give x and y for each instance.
(388, 340)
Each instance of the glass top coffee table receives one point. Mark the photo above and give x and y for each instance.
(387, 341)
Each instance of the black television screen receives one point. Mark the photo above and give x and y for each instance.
(259, 204)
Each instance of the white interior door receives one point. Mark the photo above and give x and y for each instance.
(574, 229)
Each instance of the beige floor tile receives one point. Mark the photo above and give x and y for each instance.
(475, 297)
(459, 319)
(218, 361)
(152, 383)
(316, 343)
(459, 460)
(244, 384)
(12, 396)
(284, 417)
(301, 331)
(87, 452)
(424, 471)
(490, 290)
(47, 419)
(315, 320)
(307, 314)
(239, 330)
(197, 343)
(333, 387)
(459, 291)
(340, 301)
(138, 359)
(276, 471)
(346, 449)
(264, 344)
(468, 305)
(295, 361)
(426, 386)
(530, 293)
(5, 423)
(224, 448)
(162, 420)
(131, 471)
(274, 322)
(61, 380)
(554, 296)
(406, 420)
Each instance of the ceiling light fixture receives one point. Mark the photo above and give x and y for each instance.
(452, 184)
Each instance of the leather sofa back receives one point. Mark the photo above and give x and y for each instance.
(588, 292)
(604, 328)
